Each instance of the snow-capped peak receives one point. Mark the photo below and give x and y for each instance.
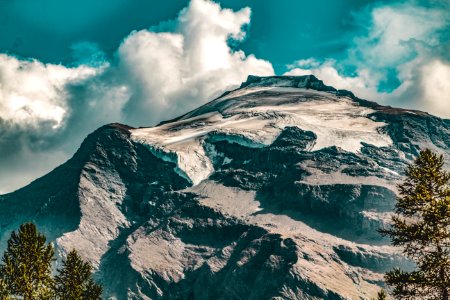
(255, 114)
(307, 81)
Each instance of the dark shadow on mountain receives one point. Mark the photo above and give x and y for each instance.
(278, 174)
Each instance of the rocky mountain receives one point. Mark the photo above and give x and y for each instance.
(271, 191)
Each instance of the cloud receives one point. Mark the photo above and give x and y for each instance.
(396, 33)
(426, 86)
(173, 72)
(33, 94)
(362, 85)
(401, 59)
(436, 86)
(34, 110)
(46, 109)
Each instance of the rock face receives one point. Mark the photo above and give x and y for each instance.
(272, 191)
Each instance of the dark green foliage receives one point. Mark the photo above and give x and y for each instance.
(421, 225)
(25, 272)
(381, 295)
(26, 265)
(74, 280)
(4, 295)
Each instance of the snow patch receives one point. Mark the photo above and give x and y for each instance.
(254, 117)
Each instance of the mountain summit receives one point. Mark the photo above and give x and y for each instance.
(273, 190)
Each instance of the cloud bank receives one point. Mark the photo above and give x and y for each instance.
(188, 66)
(399, 57)
(33, 95)
(404, 43)
(46, 110)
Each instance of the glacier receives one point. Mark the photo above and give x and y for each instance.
(255, 116)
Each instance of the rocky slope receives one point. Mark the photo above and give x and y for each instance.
(272, 191)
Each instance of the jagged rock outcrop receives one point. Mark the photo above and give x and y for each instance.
(272, 191)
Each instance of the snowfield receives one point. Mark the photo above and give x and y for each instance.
(254, 117)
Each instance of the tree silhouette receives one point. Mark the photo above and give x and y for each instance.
(26, 271)
(26, 265)
(421, 225)
(74, 280)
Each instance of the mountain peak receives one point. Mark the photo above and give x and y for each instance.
(304, 81)
(285, 177)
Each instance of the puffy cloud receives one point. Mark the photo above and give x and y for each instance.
(173, 72)
(425, 85)
(436, 86)
(34, 110)
(46, 110)
(33, 94)
(396, 33)
(406, 40)
(362, 85)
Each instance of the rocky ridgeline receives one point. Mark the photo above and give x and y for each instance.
(291, 217)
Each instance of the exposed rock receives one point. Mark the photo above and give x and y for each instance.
(272, 191)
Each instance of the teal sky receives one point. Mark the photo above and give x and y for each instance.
(280, 31)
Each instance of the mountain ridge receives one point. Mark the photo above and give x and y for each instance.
(307, 82)
(294, 183)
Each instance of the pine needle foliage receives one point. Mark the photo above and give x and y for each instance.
(26, 265)
(26, 271)
(74, 280)
(381, 295)
(4, 294)
(421, 225)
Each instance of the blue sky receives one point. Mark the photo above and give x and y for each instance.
(67, 67)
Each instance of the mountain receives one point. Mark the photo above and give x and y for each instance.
(271, 191)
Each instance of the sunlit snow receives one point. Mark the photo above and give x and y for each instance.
(256, 116)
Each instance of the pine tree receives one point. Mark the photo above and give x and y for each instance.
(381, 295)
(26, 265)
(4, 294)
(74, 280)
(421, 225)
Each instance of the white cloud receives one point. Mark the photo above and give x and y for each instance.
(45, 108)
(425, 85)
(396, 33)
(32, 93)
(362, 85)
(435, 84)
(173, 72)
(402, 38)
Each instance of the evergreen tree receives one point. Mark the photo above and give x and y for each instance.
(4, 294)
(381, 295)
(74, 280)
(26, 265)
(421, 225)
